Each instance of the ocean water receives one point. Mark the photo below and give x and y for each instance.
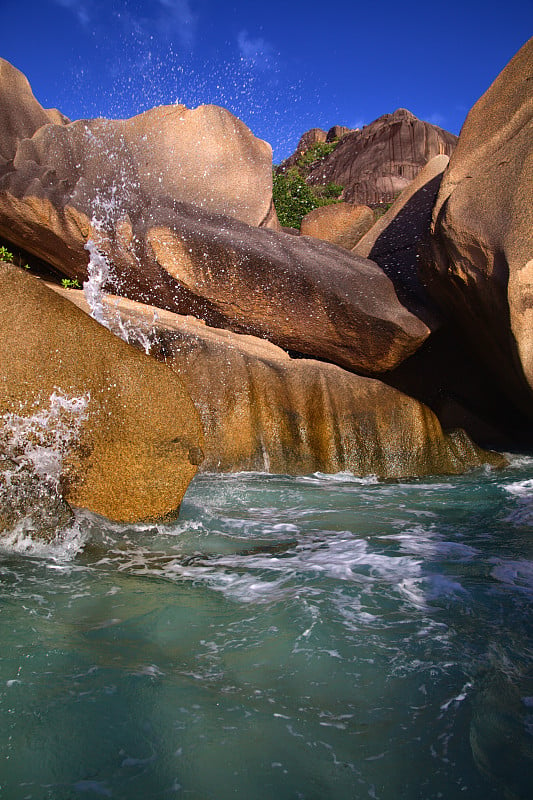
(315, 637)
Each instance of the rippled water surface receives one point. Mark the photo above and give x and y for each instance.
(319, 637)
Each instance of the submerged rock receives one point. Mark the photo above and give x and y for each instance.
(127, 433)
(263, 410)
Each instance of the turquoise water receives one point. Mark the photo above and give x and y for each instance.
(320, 637)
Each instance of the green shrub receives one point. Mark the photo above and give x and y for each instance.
(70, 283)
(5, 254)
(294, 198)
(315, 153)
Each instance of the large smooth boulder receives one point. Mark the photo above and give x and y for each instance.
(376, 163)
(481, 267)
(342, 224)
(20, 113)
(117, 187)
(120, 428)
(263, 410)
(302, 294)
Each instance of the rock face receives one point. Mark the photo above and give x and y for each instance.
(20, 113)
(204, 156)
(394, 242)
(299, 293)
(342, 224)
(262, 410)
(481, 269)
(376, 163)
(117, 184)
(123, 431)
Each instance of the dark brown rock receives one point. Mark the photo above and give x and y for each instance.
(376, 163)
(121, 425)
(481, 269)
(263, 410)
(396, 239)
(302, 294)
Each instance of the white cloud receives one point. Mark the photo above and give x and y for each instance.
(256, 53)
(177, 17)
(80, 8)
(436, 118)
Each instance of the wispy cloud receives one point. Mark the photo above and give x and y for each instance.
(256, 53)
(436, 118)
(176, 18)
(81, 8)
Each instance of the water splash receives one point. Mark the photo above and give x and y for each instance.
(32, 451)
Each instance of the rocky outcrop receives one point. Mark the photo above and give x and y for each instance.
(20, 113)
(396, 240)
(116, 184)
(120, 429)
(299, 293)
(342, 224)
(481, 268)
(376, 163)
(263, 410)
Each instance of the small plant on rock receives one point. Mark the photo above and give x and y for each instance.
(6, 255)
(70, 283)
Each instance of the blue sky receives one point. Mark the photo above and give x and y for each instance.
(282, 67)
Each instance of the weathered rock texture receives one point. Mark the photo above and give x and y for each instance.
(299, 293)
(376, 163)
(396, 239)
(20, 113)
(481, 270)
(117, 183)
(315, 136)
(342, 224)
(140, 443)
(262, 410)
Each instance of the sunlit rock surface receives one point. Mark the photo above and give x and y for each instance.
(121, 428)
(262, 410)
(481, 270)
(20, 113)
(376, 163)
(119, 185)
(342, 224)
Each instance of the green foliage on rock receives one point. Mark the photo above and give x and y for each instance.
(293, 196)
(315, 153)
(6, 255)
(70, 283)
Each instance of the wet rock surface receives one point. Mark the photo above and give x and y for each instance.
(129, 423)
(263, 410)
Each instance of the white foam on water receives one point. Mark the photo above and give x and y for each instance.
(42, 439)
(64, 547)
(517, 573)
(522, 494)
(98, 271)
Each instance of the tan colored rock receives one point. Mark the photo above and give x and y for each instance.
(203, 156)
(342, 224)
(263, 410)
(376, 163)
(140, 442)
(20, 113)
(302, 294)
(395, 240)
(481, 269)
